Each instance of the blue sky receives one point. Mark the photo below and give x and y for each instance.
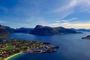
(28, 13)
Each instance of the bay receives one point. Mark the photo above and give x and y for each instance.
(72, 47)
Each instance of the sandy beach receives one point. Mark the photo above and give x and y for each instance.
(12, 56)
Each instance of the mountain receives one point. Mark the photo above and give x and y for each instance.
(23, 30)
(8, 29)
(45, 30)
(38, 30)
(86, 30)
(65, 30)
(3, 32)
(18, 30)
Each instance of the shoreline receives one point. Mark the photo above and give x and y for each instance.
(12, 56)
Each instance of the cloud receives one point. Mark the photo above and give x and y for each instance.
(28, 13)
(71, 6)
(71, 24)
(84, 5)
(66, 10)
(2, 22)
(33, 21)
(77, 25)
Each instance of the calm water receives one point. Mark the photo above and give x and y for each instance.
(72, 47)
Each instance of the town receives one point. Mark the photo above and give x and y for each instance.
(11, 47)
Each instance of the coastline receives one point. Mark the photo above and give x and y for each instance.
(12, 56)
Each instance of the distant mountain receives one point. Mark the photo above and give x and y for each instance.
(3, 32)
(39, 30)
(45, 30)
(18, 30)
(86, 30)
(23, 30)
(6, 29)
(65, 30)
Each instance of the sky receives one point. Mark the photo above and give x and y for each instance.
(54, 13)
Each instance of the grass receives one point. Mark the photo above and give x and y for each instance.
(9, 47)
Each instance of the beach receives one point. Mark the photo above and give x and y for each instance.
(12, 56)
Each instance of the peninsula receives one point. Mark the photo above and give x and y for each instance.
(13, 47)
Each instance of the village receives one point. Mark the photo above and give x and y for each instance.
(10, 47)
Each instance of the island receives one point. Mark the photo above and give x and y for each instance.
(87, 37)
(13, 47)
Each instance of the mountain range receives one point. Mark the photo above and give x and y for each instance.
(46, 30)
(39, 30)
(86, 30)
